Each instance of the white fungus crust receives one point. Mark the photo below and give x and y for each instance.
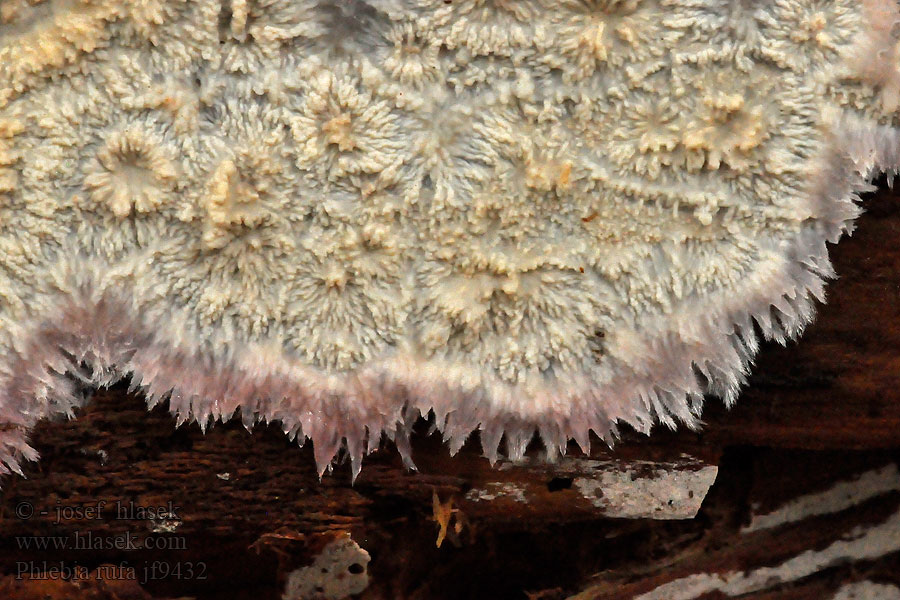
(512, 216)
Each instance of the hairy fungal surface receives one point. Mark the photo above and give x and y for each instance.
(514, 216)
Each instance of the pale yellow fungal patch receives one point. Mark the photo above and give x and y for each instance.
(230, 201)
(411, 61)
(8, 156)
(145, 17)
(730, 124)
(176, 97)
(342, 130)
(593, 34)
(484, 27)
(132, 172)
(36, 36)
(805, 36)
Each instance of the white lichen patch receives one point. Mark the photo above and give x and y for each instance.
(522, 215)
(339, 571)
(647, 491)
(495, 489)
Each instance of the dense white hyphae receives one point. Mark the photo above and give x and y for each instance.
(519, 215)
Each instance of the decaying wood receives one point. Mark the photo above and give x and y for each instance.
(240, 512)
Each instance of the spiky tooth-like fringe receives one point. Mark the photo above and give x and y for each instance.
(90, 332)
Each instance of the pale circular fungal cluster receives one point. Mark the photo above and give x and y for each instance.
(518, 214)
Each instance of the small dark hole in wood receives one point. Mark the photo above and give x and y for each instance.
(559, 483)
(355, 569)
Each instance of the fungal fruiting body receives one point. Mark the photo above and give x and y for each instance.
(522, 216)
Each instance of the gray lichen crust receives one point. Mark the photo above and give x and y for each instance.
(518, 215)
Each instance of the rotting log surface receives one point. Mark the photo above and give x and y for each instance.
(250, 508)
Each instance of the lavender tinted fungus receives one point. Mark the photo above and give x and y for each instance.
(517, 216)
